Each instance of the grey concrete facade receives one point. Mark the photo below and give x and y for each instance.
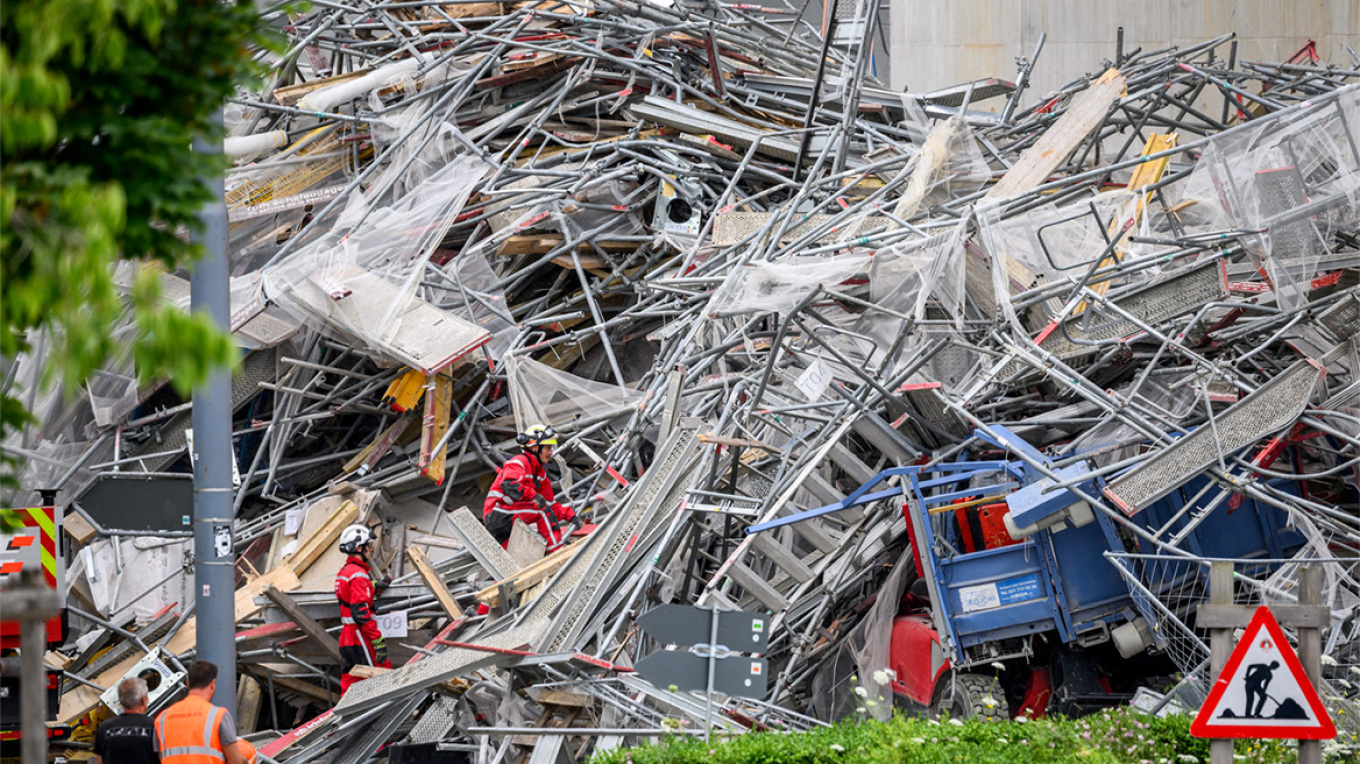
(936, 44)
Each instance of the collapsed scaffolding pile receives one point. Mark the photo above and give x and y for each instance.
(743, 280)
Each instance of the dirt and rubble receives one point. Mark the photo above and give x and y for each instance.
(743, 279)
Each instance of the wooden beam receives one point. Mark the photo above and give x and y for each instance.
(304, 621)
(436, 584)
(77, 527)
(313, 546)
(248, 698)
(305, 688)
(526, 578)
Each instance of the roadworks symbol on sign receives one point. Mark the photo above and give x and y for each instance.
(1263, 691)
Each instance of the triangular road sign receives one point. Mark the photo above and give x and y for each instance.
(1263, 691)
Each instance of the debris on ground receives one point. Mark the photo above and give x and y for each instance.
(956, 392)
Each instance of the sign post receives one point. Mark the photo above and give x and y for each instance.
(1264, 690)
(728, 634)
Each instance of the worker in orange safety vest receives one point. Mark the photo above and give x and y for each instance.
(521, 491)
(194, 731)
(361, 641)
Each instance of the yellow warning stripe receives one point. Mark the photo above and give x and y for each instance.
(39, 515)
(48, 535)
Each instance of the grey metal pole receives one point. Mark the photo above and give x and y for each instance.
(712, 668)
(214, 581)
(32, 604)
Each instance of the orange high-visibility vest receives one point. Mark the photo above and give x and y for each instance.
(188, 733)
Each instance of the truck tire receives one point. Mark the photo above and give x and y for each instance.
(969, 696)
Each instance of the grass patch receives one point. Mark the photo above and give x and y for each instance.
(1120, 736)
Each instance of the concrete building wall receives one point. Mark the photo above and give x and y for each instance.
(938, 43)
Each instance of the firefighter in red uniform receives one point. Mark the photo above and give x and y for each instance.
(361, 642)
(522, 492)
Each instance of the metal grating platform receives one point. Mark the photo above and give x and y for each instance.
(435, 722)
(1343, 319)
(430, 671)
(481, 544)
(375, 733)
(1181, 292)
(658, 488)
(1273, 407)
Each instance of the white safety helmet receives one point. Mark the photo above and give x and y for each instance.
(355, 537)
(537, 435)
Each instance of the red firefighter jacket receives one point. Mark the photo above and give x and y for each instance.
(519, 488)
(354, 590)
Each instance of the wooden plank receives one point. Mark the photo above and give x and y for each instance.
(282, 577)
(374, 451)
(306, 688)
(304, 621)
(1215, 616)
(438, 413)
(249, 696)
(77, 527)
(548, 697)
(528, 577)
(322, 539)
(1059, 141)
(436, 584)
(1053, 148)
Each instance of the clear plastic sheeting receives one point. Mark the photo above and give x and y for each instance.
(541, 394)
(778, 287)
(363, 283)
(949, 164)
(856, 680)
(1291, 185)
(1059, 243)
(905, 277)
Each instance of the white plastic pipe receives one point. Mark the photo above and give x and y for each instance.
(327, 97)
(247, 145)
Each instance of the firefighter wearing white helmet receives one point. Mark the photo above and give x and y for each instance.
(361, 642)
(522, 492)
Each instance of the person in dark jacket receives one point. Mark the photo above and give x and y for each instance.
(130, 737)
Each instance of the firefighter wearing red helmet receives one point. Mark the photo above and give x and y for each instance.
(361, 642)
(522, 492)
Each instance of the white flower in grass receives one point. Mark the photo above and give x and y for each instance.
(1342, 682)
(1022, 720)
(919, 740)
(988, 701)
(1328, 660)
(1188, 759)
(883, 676)
(998, 666)
(956, 722)
(860, 691)
(838, 748)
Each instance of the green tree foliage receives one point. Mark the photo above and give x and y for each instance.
(99, 103)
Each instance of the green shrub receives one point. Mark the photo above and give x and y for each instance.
(1118, 736)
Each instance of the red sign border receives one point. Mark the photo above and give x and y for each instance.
(1204, 726)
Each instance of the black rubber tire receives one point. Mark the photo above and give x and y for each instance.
(973, 696)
